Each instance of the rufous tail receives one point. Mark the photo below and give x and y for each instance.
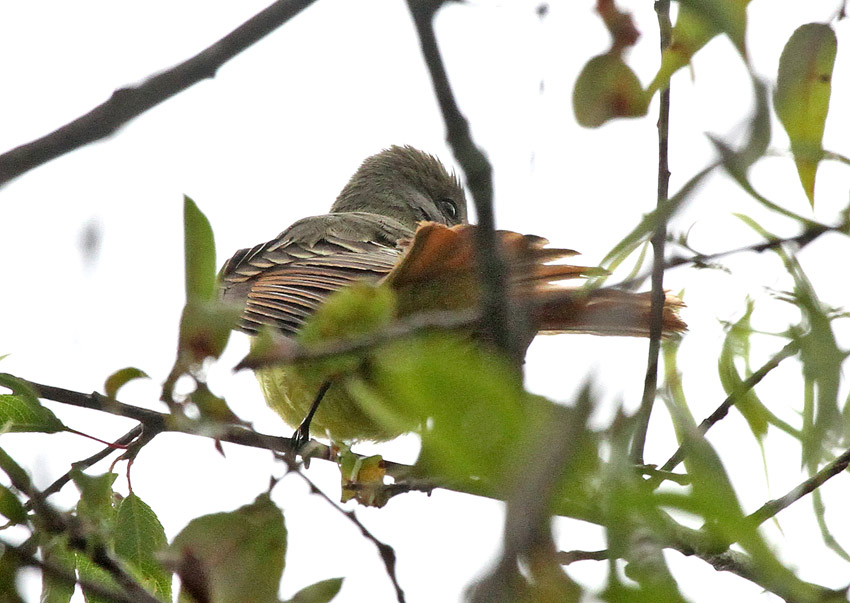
(438, 272)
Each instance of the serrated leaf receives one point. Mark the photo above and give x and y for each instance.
(320, 592)
(199, 253)
(607, 88)
(24, 414)
(234, 557)
(10, 507)
(138, 536)
(57, 553)
(120, 378)
(803, 89)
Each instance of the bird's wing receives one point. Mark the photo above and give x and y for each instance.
(281, 283)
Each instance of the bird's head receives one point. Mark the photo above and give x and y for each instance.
(406, 184)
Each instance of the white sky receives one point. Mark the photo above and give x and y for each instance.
(274, 137)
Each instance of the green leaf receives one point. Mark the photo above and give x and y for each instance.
(205, 328)
(25, 414)
(19, 387)
(200, 253)
(138, 536)
(234, 557)
(97, 500)
(10, 507)
(821, 358)
(468, 404)
(320, 592)
(647, 225)
(607, 88)
(10, 566)
(803, 89)
(120, 378)
(735, 346)
(56, 552)
(20, 478)
(697, 23)
(90, 572)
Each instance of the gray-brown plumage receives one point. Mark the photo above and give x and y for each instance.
(283, 281)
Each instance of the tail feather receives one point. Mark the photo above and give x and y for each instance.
(438, 271)
(603, 312)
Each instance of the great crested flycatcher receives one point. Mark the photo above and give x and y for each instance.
(401, 221)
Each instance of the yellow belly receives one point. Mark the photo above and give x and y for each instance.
(290, 393)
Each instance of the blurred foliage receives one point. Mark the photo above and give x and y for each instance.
(482, 432)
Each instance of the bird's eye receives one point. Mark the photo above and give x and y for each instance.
(449, 207)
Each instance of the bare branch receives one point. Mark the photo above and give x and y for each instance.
(771, 508)
(499, 322)
(386, 552)
(124, 440)
(128, 103)
(659, 237)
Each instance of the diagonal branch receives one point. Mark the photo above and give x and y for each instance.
(771, 508)
(128, 103)
(499, 322)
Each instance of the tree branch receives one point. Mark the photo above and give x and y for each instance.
(386, 552)
(499, 323)
(124, 440)
(771, 508)
(659, 237)
(128, 103)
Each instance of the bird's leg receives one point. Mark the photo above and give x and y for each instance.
(302, 434)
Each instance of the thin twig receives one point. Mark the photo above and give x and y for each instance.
(386, 552)
(659, 237)
(809, 235)
(499, 323)
(722, 410)
(772, 507)
(128, 103)
(124, 440)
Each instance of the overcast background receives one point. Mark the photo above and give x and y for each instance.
(91, 243)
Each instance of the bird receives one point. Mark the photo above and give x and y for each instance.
(401, 223)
